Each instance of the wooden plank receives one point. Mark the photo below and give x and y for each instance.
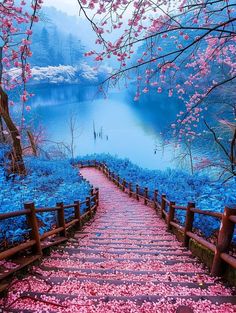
(120, 252)
(71, 223)
(118, 282)
(133, 260)
(51, 233)
(95, 246)
(202, 241)
(233, 218)
(176, 225)
(229, 259)
(4, 216)
(139, 299)
(3, 287)
(117, 271)
(208, 213)
(10, 252)
(53, 242)
(21, 262)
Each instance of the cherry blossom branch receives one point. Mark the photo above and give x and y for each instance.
(217, 140)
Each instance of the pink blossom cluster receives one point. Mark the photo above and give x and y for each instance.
(186, 49)
(16, 21)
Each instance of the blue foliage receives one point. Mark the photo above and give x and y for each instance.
(47, 182)
(178, 185)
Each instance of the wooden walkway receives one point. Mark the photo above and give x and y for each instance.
(123, 260)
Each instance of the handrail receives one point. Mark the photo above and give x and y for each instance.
(232, 219)
(208, 213)
(10, 252)
(180, 207)
(69, 206)
(36, 241)
(44, 210)
(228, 218)
(4, 216)
(51, 232)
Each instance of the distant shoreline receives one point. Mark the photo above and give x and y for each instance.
(37, 84)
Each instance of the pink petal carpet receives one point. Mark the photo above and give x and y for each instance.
(123, 261)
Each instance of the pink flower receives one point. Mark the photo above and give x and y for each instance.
(29, 32)
(170, 93)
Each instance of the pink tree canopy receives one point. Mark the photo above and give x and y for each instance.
(16, 21)
(184, 48)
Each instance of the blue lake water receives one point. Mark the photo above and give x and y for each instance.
(127, 128)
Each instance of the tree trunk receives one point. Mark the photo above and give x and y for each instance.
(32, 143)
(233, 153)
(2, 136)
(17, 163)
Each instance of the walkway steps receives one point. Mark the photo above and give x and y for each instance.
(60, 280)
(149, 274)
(72, 250)
(122, 261)
(128, 248)
(162, 243)
(138, 298)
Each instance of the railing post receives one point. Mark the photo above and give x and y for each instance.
(88, 206)
(155, 198)
(130, 189)
(123, 185)
(171, 214)
(188, 223)
(118, 180)
(145, 195)
(33, 223)
(163, 205)
(61, 218)
(224, 239)
(77, 213)
(97, 197)
(137, 192)
(91, 192)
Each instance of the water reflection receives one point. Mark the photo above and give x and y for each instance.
(122, 126)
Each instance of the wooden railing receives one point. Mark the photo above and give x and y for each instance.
(168, 209)
(38, 242)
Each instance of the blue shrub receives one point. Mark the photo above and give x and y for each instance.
(178, 185)
(47, 183)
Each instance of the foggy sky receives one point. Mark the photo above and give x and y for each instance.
(69, 6)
